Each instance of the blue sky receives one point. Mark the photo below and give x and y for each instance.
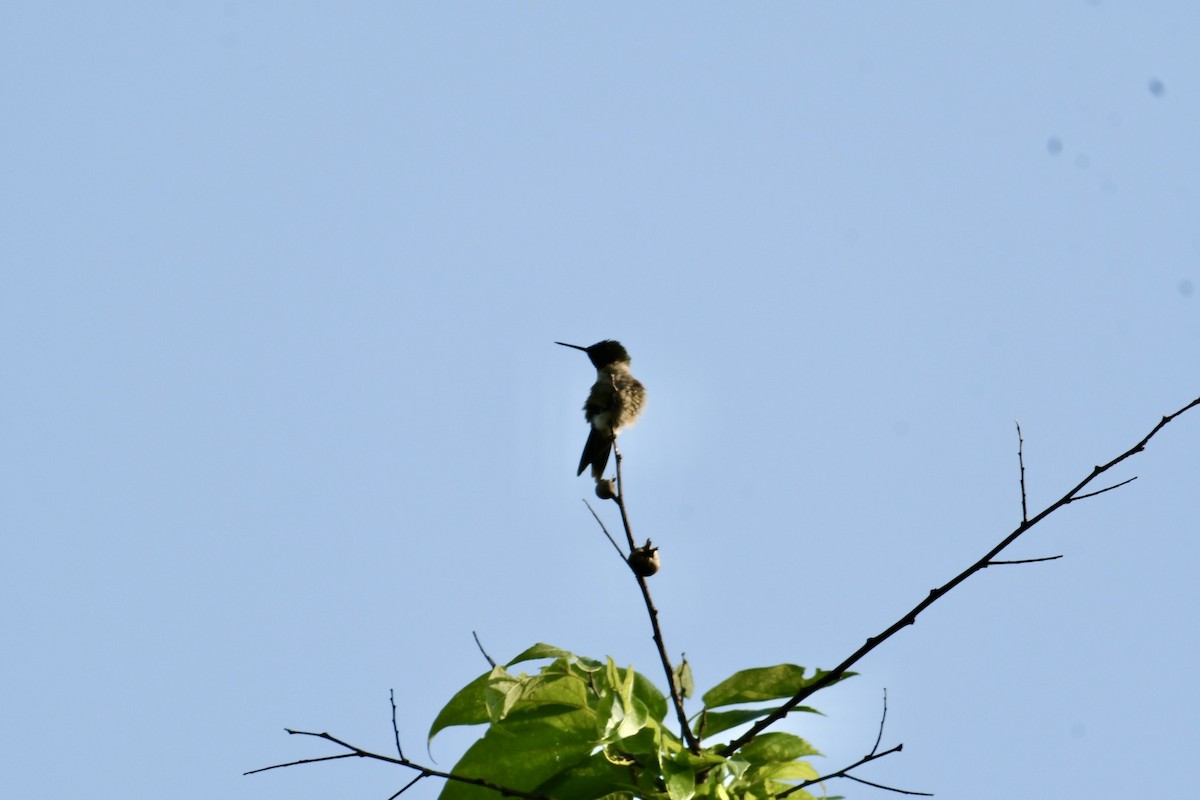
(284, 422)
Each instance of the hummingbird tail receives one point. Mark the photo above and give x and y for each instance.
(595, 453)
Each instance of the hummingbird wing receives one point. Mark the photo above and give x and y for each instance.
(595, 453)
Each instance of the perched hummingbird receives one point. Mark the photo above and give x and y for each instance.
(614, 403)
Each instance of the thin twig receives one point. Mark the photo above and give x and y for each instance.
(842, 773)
(871, 756)
(621, 499)
(408, 785)
(1025, 560)
(1021, 461)
(934, 595)
(882, 720)
(479, 644)
(1102, 491)
(426, 772)
(604, 528)
(676, 697)
(301, 761)
(888, 788)
(395, 728)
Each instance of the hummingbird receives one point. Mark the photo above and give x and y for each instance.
(615, 401)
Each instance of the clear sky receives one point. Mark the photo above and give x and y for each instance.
(283, 421)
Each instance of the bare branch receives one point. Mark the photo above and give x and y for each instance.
(301, 761)
(1024, 560)
(604, 528)
(621, 499)
(888, 788)
(1102, 491)
(354, 750)
(844, 773)
(668, 669)
(828, 678)
(395, 728)
(479, 644)
(871, 756)
(882, 719)
(1021, 461)
(408, 785)
(425, 772)
(934, 595)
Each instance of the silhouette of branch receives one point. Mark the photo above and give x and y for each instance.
(408, 786)
(425, 772)
(395, 728)
(1021, 461)
(300, 761)
(604, 528)
(887, 788)
(934, 595)
(676, 696)
(621, 500)
(882, 719)
(479, 644)
(845, 773)
(1024, 560)
(871, 756)
(1102, 491)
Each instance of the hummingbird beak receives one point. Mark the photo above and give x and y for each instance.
(577, 347)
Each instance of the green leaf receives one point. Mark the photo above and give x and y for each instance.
(645, 742)
(496, 695)
(683, 679)
(775, 748)
(620, 718)
(715, 787)
(801, 794)
(681, 779)
(651, 697)
(635, 719)
(762, 683)
(467, 707)
(540, 650)
(550, 651)
(523, 754)
(643, 689)
(502, 693)
(791, 771)
(593, 778)
(700, 762)
(545, 695)
(719, 721)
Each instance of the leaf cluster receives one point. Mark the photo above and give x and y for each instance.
(586, 729)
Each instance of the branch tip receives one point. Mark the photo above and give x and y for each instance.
(841, 669)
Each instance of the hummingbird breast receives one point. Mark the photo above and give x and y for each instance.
(616, 399)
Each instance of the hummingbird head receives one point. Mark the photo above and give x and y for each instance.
(603, 353)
